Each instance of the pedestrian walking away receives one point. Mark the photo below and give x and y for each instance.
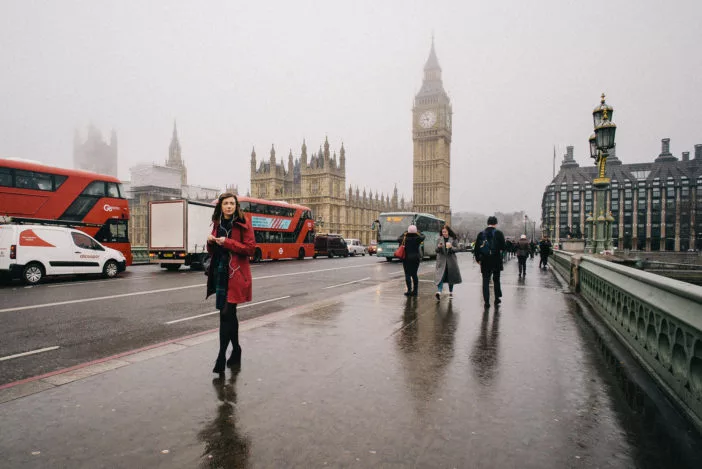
(230, 244)
(411, 240)
(489, 246)
(544, 251)
(447, 270)
(523, 250)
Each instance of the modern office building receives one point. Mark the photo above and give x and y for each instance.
(656, 206)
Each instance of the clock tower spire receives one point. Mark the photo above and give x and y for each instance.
(431, 135)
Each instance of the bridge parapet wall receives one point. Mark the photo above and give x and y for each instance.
(657, 318)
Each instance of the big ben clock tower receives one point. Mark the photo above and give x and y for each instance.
(431, 134)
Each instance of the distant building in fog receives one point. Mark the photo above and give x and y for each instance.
(656, 206)
(150, 182)
(95, 154)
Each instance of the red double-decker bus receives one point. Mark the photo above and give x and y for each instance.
(282, 230)
(94, 203)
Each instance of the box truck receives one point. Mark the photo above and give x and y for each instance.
(178, 232)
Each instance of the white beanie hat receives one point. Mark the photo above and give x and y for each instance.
(522, 236)
(412, 229)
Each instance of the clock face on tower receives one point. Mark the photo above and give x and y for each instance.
(427, 119)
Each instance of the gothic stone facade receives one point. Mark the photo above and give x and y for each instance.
(657, 206)
(319, 182)
(431, 130)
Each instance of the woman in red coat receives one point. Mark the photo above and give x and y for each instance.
(229, 276)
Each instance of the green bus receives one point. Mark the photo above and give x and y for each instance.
(392, 225)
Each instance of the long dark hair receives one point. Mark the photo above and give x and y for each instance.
(450, 232)
(238, 213)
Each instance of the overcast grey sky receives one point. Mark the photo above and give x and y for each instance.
(522, 76)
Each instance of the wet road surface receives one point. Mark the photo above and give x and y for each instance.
(370, 379)
(87, 319)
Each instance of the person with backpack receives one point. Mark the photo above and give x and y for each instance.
(489, 246)
(523, 250)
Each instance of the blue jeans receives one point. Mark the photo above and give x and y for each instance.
(440, 286)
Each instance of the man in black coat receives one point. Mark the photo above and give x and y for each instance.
(490, 264)
(545, 247)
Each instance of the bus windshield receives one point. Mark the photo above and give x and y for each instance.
(392, 226)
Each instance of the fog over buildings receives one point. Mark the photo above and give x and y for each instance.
(522, 77)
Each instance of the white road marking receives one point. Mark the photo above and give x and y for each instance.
(347, 283)
(317, 271)
(10, 357)
(238, 308)
(96, 281)
(161, 290)
(85, 300)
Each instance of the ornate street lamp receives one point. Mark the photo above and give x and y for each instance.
(598, 114)
(600, 143)
(593, 147)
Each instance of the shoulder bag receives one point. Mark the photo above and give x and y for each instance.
(400, 252)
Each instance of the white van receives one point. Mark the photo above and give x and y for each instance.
(355, 247)
(32, 251)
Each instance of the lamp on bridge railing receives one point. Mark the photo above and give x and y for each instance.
(600, 143)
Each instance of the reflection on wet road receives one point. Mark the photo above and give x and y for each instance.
(366, 379)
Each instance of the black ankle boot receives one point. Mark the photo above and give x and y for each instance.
(235, 358)
(219, 365)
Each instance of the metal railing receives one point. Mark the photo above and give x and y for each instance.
(657, 318)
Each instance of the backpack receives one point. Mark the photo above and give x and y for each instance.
(487, 245)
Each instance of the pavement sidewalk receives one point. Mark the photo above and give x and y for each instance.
(365, 379)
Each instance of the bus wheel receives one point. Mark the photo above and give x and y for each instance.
(32, 273)
(331, 255)
(389, 259)
(258, 255)
(172, 267)
(301, 254)
(110, 269)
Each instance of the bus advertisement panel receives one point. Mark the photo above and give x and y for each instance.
(282, 230)
(391, 227)
(32, 192)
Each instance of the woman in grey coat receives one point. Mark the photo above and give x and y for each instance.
(447, 270)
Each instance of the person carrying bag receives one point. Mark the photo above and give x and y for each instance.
(410, 243)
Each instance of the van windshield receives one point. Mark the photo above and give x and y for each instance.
(392, 226)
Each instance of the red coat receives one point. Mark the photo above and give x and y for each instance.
(241, 244)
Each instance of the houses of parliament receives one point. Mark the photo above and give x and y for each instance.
(318, 180)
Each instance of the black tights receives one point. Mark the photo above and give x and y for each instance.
(228, 332)
(411, 268)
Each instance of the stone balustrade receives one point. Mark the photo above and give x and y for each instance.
(657, 318)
